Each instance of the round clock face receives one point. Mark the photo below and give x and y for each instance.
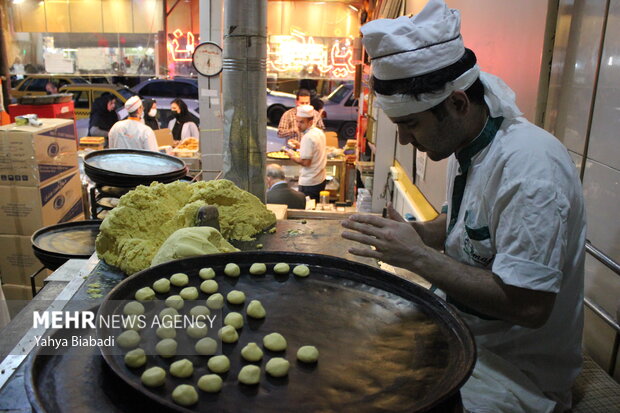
(207, 59)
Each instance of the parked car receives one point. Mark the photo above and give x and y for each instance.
(164, 91)
(85, 94)
(340, 109)
(33, 85)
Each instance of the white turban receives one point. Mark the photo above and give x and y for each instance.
(305, 111)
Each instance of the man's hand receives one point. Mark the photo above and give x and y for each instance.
(294, 143)
(394, 240)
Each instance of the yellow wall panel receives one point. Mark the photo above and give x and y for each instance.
(117, 16)
(85, 16)
(314, 19)
(181, 17)
(147, 16)
(57, 16)
(29, 17)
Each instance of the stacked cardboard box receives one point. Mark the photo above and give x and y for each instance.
(40, 185)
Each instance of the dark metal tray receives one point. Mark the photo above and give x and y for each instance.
(56, 244)
(385, 344)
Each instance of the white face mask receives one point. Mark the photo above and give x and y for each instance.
(153, 112)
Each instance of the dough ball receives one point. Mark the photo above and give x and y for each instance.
(234, 319)
(154, 377)
(232, 270)
(308, 354)
(199, 310)
(197, 330)
(281, 268)
(206, 346)
(249, 374)
(277, 367)
(301, 270)
(236, 297)
(211, 383)
(132, 322)
(133, 308)
(179, 279)
(166, 332)
(166, 348)
(162, 285)
(218, 364)
(216, 301)
(189, 293)
(251, 352)
(206, 273)
(128, 339)
(256, 310)
(228, 334)
(182, 368)
(185, 395)
(258, 268)
(145, 294)
(274, 342)
(135, 358)
(175, 301)
(168, 317)
(209, 286)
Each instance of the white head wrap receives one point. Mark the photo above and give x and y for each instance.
(305, 111)
(413, 46)
(133, 103)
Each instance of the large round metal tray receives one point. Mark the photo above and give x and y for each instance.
(56, 244)
(131, 167)
(385, 344)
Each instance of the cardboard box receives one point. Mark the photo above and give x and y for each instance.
(18, 262)
(17, 297)
(23, 210)
(34, 156)
(164, 137)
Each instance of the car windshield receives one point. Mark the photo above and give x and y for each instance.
(338, 94)
(126, 93)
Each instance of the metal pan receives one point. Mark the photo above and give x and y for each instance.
(385, 344)
(130, 167)
(56, 244)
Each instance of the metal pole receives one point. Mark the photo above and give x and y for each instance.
(244, 87)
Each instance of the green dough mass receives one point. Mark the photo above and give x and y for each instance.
(232, 270)
(179, 279)
(274, 342)
(228, 334)
(249, 374)
(166, 348)
(256, 310)
(258, 268)
(308, 354)
(199, 310)
(218, 364)
(206, 346)
(128, 339)
(145, 294)
(133, 308)
(198, 330)
(182, 368)
(216, 301)
(251, 352)
(162, 286)
(277, 367)
(189, 293)
(185, 395)
(191, 242)
(166, 332)
(133, 232)
(154, 377)
(236, 297)
(281, 268)
(210, 383)
(301, 270)
(234, 319)
(206, 273)
(209, 286)
(135, 358)
(175, 301)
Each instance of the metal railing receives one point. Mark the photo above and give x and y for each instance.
(598, 310)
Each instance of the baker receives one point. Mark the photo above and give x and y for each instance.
(513, 227)
(132, 133)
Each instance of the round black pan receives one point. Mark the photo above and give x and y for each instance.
(56, 244)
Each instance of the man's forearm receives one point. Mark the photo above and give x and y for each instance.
(433, 233)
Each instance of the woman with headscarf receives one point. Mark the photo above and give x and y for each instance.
(150, 113)
(102, 115)
(183, 125)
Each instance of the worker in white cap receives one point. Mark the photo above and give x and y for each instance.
(312, 153)
(132, 133)
(513, 227)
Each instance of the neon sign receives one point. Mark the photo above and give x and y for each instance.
(299, 52)
(174, 47)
